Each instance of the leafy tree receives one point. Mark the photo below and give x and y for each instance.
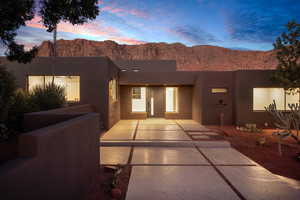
(7, 89)
(288, 54)
(13, 15)
(74, 11)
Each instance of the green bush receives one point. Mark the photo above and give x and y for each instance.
(4, 132)
(21, 103)
(49, 97)
(7, 89)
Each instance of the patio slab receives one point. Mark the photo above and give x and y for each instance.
(205, 137)
(161, 127)
(114, 155)
(204, 133)
(161, 135)
(118, 134)
(194, 127)
(226, 156)
(157, 121)
(167, 155)
(177, 183)
(257, 183)
(187, 121)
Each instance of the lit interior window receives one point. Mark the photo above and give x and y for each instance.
(291, 99)
(34, 81)
(71, 84)
(264, 97)
(171, 99)
(139, 99)
(219, 90)
(113, 89)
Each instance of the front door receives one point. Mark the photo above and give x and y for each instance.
(156, 102)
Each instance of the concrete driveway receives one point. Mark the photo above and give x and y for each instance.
(167, 164)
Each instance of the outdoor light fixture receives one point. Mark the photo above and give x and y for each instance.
(135, 69)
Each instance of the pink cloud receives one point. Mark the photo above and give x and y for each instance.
(125, 11)
(90, 29)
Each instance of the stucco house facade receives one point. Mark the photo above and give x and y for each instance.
(139, 89)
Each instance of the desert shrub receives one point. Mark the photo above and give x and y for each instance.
(50, 96)
(21, 103)
(7, 89)
(4, 132)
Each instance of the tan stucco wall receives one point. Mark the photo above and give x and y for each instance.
(94, 72)
(245, 82)
(56, 162)
(36, 120)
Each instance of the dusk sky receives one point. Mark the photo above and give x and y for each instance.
(237, 24)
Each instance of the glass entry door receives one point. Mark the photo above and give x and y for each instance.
(156, 102)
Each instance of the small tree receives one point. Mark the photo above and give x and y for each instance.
(74, 11)
(287, 47)
(7, 89)
(13, 15)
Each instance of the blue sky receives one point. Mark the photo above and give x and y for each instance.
(236, 24)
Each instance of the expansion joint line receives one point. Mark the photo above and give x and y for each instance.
(132, 146)
(214, 166)
(222, 175)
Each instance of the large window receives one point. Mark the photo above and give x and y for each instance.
(113, 89)
(171, 99)
(263, 97)
(138, 99)
(71, 84)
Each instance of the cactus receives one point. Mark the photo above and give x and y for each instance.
(284, 121)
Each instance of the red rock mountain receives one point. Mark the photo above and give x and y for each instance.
(198, 58)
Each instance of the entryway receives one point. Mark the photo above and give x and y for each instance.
(154, 100)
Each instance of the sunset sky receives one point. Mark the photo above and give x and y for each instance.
(236, 24)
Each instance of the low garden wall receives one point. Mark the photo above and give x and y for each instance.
(56, 162)
(41, 119)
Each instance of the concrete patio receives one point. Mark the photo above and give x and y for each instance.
(167, 164)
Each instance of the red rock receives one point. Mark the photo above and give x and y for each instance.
(198, 58)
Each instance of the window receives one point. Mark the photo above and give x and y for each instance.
(171, 99)
(136, 93)
(71, 84)
(263, 97)
(291, 99)
(138, 99)
(219, 90)
(113, 89)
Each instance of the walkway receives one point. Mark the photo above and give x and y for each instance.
(168, 164)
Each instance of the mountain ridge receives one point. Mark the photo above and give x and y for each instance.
(195, 58)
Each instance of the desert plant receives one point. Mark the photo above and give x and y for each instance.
(7, 89)
(284, 121)
(20, 104)
(4, 132)
(48, 97)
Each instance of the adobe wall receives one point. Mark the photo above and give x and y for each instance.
(245, 82)
(94, 72)
(36, 120)
(56, 162)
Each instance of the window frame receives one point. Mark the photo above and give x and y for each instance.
(44, 84)
(176, 103)
(285, 102)
(131, 99)
(113, 89)
(218, 88)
